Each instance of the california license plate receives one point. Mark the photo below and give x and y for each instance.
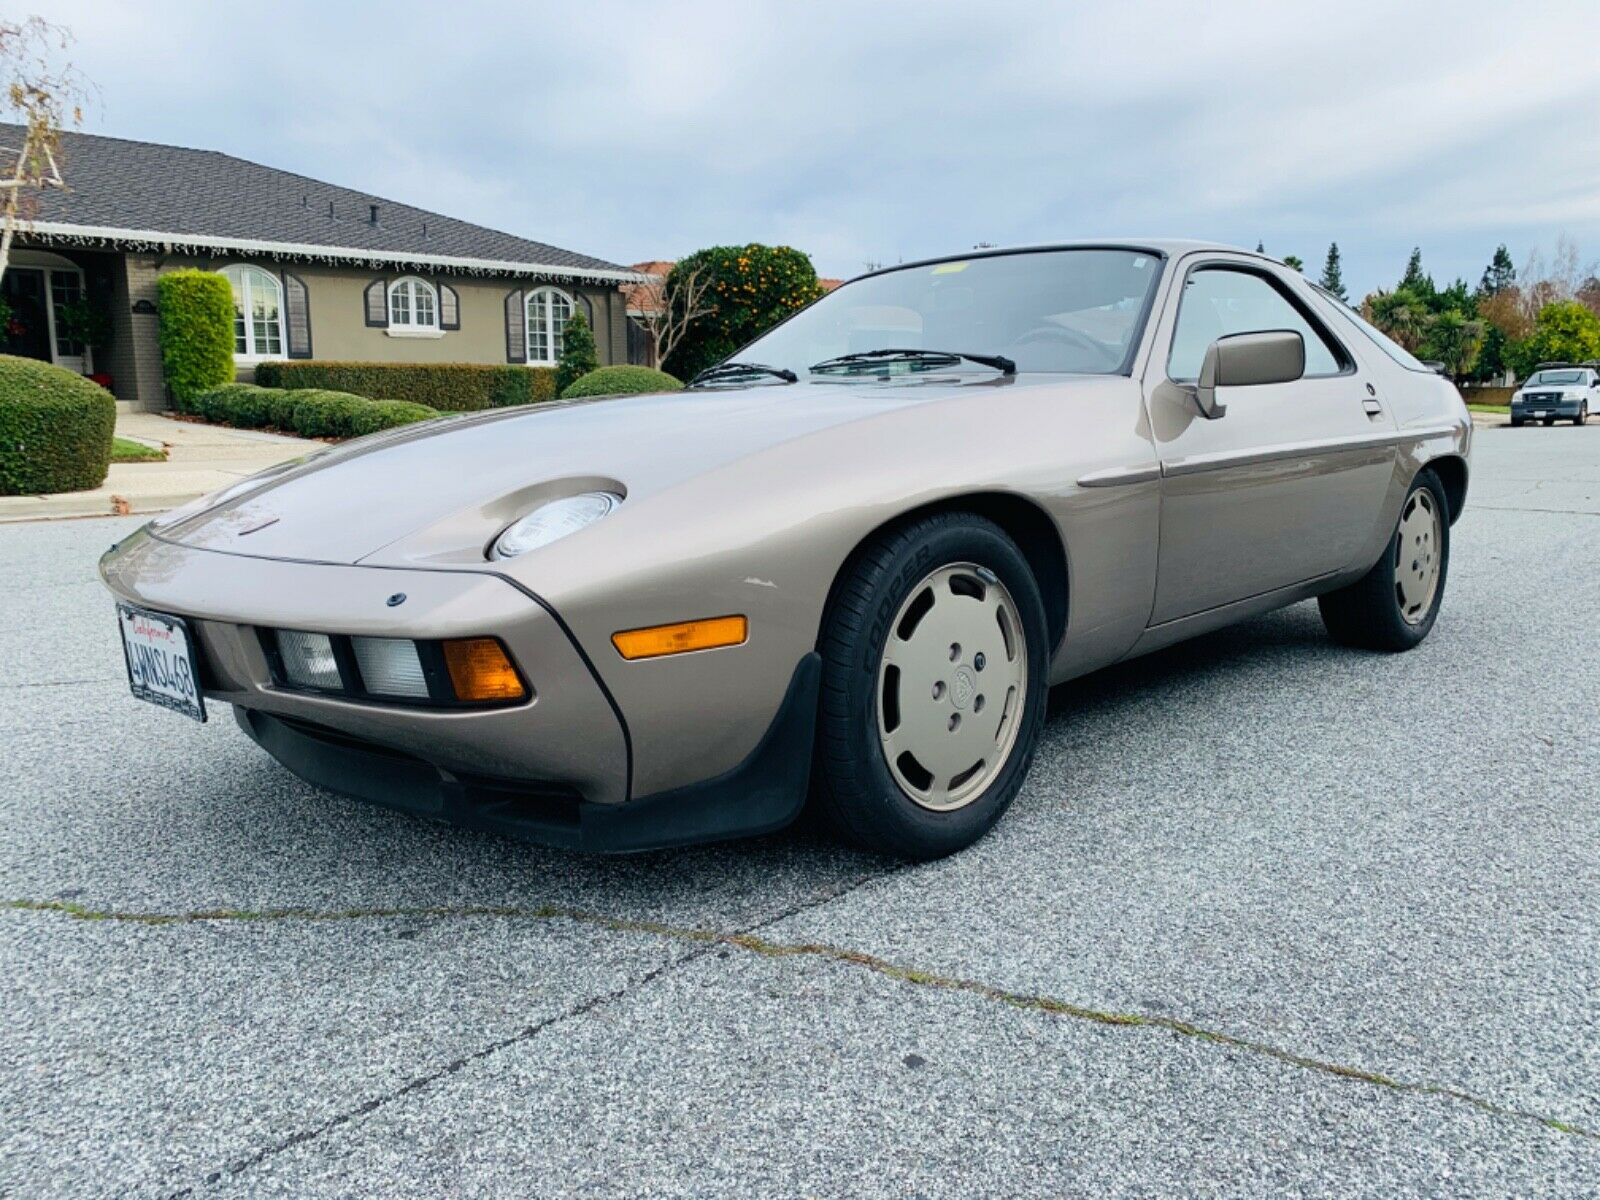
(161, 660)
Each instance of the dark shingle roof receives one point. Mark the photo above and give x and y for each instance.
(113, 183)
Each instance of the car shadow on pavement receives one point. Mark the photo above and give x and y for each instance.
(1210, 659)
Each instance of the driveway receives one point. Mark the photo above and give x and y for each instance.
(200, 459)
(1271, 917)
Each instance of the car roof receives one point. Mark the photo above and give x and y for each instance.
(1164, 247)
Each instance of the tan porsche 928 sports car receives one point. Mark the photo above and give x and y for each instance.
(848, 562)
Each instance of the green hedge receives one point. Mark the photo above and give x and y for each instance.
(621, 381)
(55, 429)
(310, 412)
(448, 387)
(196, 310)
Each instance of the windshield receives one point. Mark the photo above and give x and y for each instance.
(1552, 377)
(1077, 311)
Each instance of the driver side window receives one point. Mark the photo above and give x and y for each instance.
(1218, 301)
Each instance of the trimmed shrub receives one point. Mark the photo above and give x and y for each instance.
(386, 414)
(751, 288)
(448, 387)
(311, 412)
(324, 414)
(578, 355)
(196, 310)
(55, 429)
(621, 381)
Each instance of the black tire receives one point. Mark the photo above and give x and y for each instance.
(1516, 422)
(855, 794)
(1583, 415)
(1367, 613)
(1549, 421)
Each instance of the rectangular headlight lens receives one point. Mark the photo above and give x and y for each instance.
(308, 659)
(390, 667)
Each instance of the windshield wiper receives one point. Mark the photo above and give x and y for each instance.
(743, 368)
(947, 357)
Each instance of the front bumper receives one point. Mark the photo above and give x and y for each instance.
(1534, 410)
(568, 736)
(557, 769)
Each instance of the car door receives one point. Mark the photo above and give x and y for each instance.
(1286, 485)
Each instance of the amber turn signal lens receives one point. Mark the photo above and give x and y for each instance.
(681, 638)
(480, 670)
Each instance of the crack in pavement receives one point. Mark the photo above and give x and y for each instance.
(747, 940)
(1559, 512)
(705, 946)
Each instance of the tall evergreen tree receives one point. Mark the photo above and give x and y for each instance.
(1261, 247)
(1295, 261)
(1414, 280)
(578, 354)
(1500, 274)
(1333, 274)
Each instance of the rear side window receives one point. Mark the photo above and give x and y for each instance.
(1218, 301)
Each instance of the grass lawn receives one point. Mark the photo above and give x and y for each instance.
(1503, 410)
(125, 450)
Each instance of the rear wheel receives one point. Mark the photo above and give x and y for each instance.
(1393, 606)
(934, 671)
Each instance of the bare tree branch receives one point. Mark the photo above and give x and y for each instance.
(669, 304)
(42, 94)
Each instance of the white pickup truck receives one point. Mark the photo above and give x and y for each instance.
(1557, 391)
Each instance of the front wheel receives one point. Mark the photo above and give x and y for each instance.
(1393, 606)
(934, 663)
(1583, 415)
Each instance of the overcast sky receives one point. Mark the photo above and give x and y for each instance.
(878, 131)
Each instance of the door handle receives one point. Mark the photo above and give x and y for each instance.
(1372, 407)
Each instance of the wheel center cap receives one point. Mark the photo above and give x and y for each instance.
(962, 687)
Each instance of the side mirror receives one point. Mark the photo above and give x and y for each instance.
(1247, 360)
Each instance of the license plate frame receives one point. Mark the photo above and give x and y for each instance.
(183, 694)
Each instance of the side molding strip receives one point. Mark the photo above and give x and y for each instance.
(1198, 463)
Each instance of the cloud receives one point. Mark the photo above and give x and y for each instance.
(875, 132)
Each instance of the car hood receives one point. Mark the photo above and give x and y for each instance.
(480, 471)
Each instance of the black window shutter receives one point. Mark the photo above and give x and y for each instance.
(449, 307)
(296, 317)
(516, 328)
(377, 296)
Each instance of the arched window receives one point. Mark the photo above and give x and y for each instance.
(257, 312)
(413, 306)
(549, 310)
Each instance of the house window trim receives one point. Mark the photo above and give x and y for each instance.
(410, 328)
(251, 356)
(549, 331)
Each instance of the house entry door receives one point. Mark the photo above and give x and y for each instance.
(27, 332)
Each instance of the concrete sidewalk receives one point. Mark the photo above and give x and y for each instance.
(200, 459)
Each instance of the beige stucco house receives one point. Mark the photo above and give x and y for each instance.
(318, 271)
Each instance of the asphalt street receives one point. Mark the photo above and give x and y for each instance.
(1271, 917)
